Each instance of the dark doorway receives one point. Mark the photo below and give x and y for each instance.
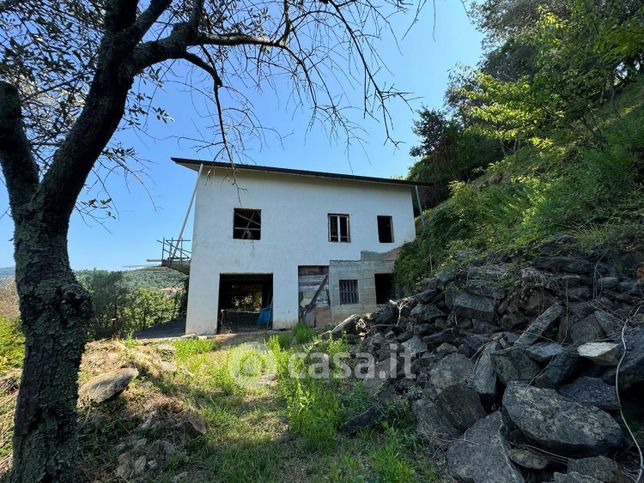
(241, 297)
(384, 287)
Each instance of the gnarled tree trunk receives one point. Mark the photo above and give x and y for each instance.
(55, 312)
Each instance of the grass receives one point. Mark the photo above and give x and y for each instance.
(186, 348)
(262, 424)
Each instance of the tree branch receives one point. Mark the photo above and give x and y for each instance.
(147, 19)
(18, 165)
(120, 14)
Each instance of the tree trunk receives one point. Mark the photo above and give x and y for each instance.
(55, 313)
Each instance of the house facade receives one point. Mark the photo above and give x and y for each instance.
(313, 246)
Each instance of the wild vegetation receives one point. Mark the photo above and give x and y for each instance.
(559, 90)
(260, 424)
(129, 301)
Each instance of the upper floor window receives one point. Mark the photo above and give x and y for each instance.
(385, 229)
(247, 224)
(339, 228)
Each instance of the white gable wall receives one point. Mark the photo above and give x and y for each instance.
(294, 231)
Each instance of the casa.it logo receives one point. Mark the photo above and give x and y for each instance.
(251, 365)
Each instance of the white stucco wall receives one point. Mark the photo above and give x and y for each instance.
(294, 232)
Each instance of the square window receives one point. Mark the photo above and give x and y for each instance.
(348, 292)
(247, 224)
(339, 228)
(385, 229)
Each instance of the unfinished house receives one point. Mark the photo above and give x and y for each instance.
(302, 245)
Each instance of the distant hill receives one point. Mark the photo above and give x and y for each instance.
(148, 277)
(7, 272)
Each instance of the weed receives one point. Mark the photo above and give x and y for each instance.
(303, 333)
(186, 348)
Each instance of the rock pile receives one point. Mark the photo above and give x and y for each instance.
(513, 372)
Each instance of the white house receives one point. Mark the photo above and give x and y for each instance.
(315, 246)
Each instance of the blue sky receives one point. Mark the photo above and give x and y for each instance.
(419, 65)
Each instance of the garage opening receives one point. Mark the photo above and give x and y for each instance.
(241, 299)
(384, 287)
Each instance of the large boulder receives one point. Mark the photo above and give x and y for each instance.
(561, 369)
(467, 304)
(564, 264)
(586, 330)
(385, 315)
(544, 351)
(451, 369)
(631, 371)
(374, 382)
(536, 329)
(414, 345)
(483, 379)
(550, 421)
(442, 337)
(513, 365)
(601, 353)
(598, 467)
(431, 423)
(573, 477)
(591, 391)
(461, 405)
(347, 326)
(106, 386)
(482, 456)
(426, 313)
(365, 419)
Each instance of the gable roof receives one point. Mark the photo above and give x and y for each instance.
(194, 164)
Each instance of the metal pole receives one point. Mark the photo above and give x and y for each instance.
(185, 220)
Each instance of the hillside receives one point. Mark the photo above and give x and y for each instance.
(7, 272)
(593, 193)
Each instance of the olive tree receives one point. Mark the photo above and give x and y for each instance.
(70, 72)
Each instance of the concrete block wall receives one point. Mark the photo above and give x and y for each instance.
(362, 271)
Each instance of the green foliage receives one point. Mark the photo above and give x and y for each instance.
(538, 192)
(147, 307)
(186, 348)
(12, 345)
(389, 461)
(313, 411)
(581, 53)
(122, 304)
(303, 333)
(448, 152)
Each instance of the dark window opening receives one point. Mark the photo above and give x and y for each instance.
(339, 228)
(247, 224)
(384, 287)
(348, 292)
(385, 229)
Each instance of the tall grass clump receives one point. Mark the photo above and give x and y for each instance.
(186, 348)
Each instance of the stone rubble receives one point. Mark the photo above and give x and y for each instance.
(512, 366)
